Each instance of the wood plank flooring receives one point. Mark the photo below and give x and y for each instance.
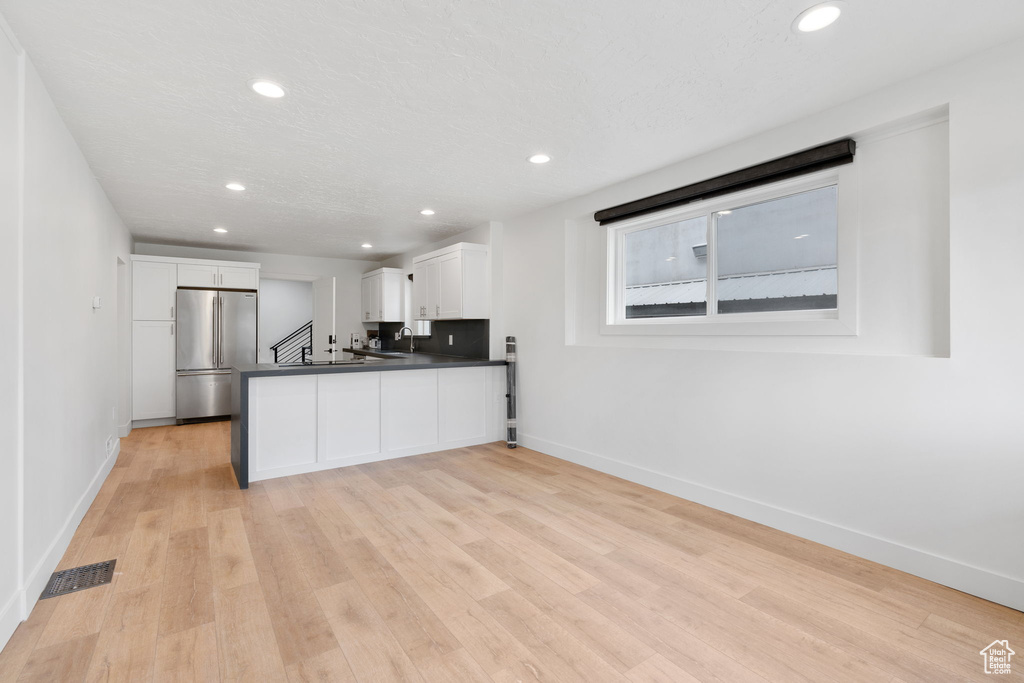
(476, 564)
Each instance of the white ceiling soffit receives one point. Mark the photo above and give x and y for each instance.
(397, 106)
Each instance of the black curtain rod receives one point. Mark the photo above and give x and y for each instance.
(801, 163)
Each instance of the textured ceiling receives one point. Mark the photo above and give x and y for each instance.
(396, 106)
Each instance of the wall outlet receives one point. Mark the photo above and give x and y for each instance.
(110, 445)
(451, 339)
(398, 336)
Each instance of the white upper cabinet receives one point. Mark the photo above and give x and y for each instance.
(197, 275)
(381, 296)
(449, 286)
(452, 283)
(231, 277)
(153, 290)
(226, 277)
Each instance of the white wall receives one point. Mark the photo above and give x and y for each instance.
(347, 274)
(903, 444)
(10, 348)
(490, 234)
(285, 305)
(70, 241)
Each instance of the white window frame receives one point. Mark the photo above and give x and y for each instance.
(838, 321)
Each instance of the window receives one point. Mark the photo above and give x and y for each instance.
(769, 255)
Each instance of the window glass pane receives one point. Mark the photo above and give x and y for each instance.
(666, 270)
(778, 255)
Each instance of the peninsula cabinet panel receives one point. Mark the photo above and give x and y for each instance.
(153, 373)
(408, 409)
(462, 404)
(348, 411)
(282, 422)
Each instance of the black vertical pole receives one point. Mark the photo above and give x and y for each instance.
(510, 388)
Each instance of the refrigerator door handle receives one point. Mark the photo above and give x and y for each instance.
(213, 325)
(220, 327)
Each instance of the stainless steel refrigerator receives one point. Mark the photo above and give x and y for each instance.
(216, 330)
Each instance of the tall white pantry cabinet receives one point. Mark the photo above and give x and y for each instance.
(154, 285)
(155, 282)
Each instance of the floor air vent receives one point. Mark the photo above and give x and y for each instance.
(79, 578)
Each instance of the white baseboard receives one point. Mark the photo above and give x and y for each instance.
(124, 430)
(10, 617)
(985, 584)
(36, 580)
(155, 422)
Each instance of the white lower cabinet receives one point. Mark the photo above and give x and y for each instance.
(153, 373)
(282, 423)
(462, 404)
(408, 408)
(305, 423)
(348, 415)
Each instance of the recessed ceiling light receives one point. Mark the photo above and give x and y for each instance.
(220, 229)
(724, 213)
(818, 17)
(267, 88)
(367, 245)
(539, 159)
(427, 212)
(800, 237)
(671, 258)
(237, 187)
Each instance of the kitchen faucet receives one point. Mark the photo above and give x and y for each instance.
(410, 337)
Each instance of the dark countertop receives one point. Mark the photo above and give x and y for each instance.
(381, 362)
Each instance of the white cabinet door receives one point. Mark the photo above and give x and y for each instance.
(462, 403)
(391, 295)
(433, 308)
(282, 423)
(364, 298)
(408, 409)
(377, 298)
(371, 298)
(230, 277)
(348, 415)
(196, 275)
(153, 369)
(153, 290)
(449, 287)
(419, 291)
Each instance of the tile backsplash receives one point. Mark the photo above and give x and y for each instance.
(470, 338)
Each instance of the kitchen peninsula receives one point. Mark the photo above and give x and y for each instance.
(293, 419)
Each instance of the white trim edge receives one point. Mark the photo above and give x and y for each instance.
(10, 616)
(982, 583)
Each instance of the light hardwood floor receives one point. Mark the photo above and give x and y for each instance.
(475, 564)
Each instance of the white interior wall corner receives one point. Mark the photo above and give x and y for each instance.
(882, 448)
